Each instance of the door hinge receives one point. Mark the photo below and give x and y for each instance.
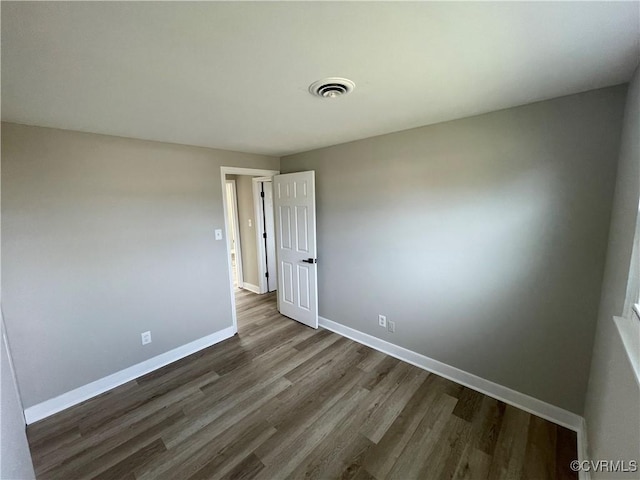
(264, 235)
(266, 274)
(262, 194)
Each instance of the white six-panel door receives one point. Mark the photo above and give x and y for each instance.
(295, 210)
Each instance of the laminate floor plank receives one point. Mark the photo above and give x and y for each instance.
(42, 432)
(510, 448)
(289, 454)
(100, 442)
(88, 464)
(489, 423)
(355, 463)
(281, 400)
(246, 470)
(384, 454)
(200, 435)
(230, 447)
(473, 465)
(345, 448)
(381, 419)
(146, 399)
(443, 458)
(133, 461)
(426, 437)
(52, 443)
(306, 413)
(566, 446)
(540, 456)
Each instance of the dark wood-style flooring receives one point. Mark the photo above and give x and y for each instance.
(280, 400)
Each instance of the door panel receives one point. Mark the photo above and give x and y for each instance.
(302, 230)
(285, 227)
(287, 276)
(295, 212)
(303, 288)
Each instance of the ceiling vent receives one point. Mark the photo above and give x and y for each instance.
(331, 87)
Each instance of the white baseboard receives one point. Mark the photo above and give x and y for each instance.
(252, 288)
(583, 451)
(529, 404)
(90, 390)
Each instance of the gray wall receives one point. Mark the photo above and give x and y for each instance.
(104, 238)
(248, 240)
(15, 458)
(483, 238)
(613, 399)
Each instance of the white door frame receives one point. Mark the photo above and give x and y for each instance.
(235, 228)
(224, 171)
(257, 208)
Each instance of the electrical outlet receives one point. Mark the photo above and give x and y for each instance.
(146, 337)
(392, 326)
(382, 321)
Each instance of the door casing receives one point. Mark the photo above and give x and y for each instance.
(235, 228)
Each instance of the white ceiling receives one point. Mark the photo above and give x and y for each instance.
(235, 75)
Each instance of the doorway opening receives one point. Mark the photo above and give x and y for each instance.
(250, 236)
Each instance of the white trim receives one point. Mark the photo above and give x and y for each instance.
(224, 171)
(90, 390)
(252, 172)
(235, 228)
(632, 294)
(258, 220)
(529, 404)
(583, 451)
(252, 288)
(629, 331)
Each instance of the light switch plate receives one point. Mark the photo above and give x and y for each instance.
(218, 234)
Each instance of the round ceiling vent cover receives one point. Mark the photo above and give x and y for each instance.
(331, 87)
